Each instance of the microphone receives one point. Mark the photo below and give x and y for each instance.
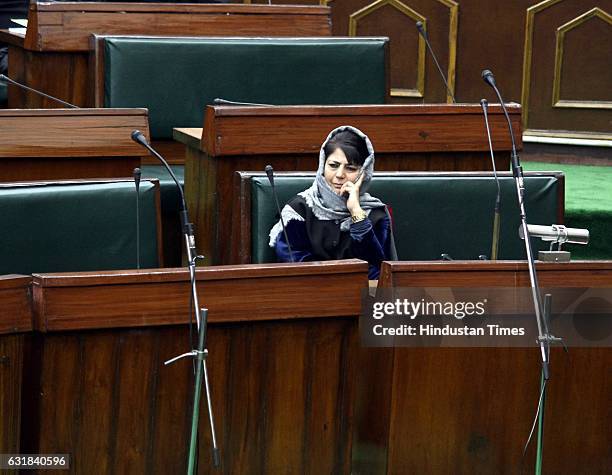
(497, 211)
(187, 226)
(517, 171)
(488, 77)
(557, 234)
(423, 33)
(270, 172)
(35, 91)
(220, 102)
(137, 173)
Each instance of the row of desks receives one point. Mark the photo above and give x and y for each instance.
(53, 54)
(406, 137)
(82, 373)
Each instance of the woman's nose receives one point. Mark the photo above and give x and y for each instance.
(340, 172)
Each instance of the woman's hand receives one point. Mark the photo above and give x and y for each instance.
(352, 189)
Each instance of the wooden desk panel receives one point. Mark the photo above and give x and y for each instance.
(469, 410)
(435, 137)
(69, 143)
(54, 54)
(282, 368)
(15, 321)
(399, 129)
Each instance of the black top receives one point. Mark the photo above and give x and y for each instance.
(314, 240)
(326, 239)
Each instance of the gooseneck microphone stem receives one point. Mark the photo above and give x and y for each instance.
(137, 175)
(200, 353)
(497, 210)
(224, 102)
(544, 338)
(423, 33)
(27, 88)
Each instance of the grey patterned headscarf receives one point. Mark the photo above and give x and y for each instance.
(323, 200)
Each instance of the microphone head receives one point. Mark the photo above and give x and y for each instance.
(270, 172)
(138, 137)
(137, 174)
(484, 103)
(421, 28)
(488, 77)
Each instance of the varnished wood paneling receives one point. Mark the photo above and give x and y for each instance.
(61, 75)
(406, 138)
(584, 79)
(69, 143)
(497, 274)
(71, 132)
(392, 129)
(11, 373)
(282, 381)
(470, 410)
(15, 322)
(54, 56)
(66, 27)
(91, 300)
(15, 308)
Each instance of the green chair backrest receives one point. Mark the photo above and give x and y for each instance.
(175, 78)
(76, 226)
(432, 213)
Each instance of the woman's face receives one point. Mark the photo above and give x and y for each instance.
(338, 170)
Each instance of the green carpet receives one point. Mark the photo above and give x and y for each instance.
(588, 204)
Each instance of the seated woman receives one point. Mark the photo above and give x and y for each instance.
(335, 218)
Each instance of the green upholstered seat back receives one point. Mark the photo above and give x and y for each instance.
(65, 227)
(432, 215)
(175, 78)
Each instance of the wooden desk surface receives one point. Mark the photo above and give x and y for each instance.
(71, 132)
(57, 144)
(70, 301)
(393, 129)
(64, 27)
(282, 365)
(470, 409)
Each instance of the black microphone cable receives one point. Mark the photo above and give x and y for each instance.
(27, 88)
(497, 210)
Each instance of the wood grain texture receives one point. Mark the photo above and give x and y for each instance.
(71, 132)
(62, 75)
(61, 144)
(232, 130)
(469, 410)
(283, 382)
(54, 57)
(406, 138)
(141, 298)
(66, 27)
(11, 373)
(15, 304)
